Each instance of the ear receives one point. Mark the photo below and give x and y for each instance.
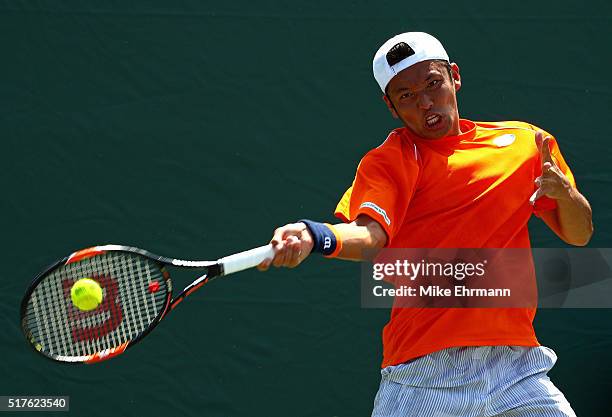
(390, 106)
(456, 75)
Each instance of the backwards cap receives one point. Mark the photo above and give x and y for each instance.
(403, 51)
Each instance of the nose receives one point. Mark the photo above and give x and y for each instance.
(425, 102)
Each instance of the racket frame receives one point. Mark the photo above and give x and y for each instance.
(214, 269)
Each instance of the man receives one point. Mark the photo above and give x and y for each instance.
(445, 182)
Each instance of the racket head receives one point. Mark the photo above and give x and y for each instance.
(136, 294)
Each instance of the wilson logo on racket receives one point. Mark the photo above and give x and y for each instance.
(108, 313)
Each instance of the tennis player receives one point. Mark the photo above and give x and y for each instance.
(443, 181)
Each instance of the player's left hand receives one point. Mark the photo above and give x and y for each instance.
(552, 183)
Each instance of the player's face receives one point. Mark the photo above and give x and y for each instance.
(423, 96)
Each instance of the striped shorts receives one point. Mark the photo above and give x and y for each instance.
(479, 381)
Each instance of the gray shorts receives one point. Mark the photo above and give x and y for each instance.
(479, 381)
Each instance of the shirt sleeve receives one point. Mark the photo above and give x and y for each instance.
(546, 203)
(382, 189)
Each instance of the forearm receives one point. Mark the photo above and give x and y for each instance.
(574, 217)
(356, 241)
(360, 240)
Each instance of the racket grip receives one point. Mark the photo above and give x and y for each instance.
(245, 260)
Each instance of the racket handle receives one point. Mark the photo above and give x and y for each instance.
(245, 260)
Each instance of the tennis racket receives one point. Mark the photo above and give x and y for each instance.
(136, 296)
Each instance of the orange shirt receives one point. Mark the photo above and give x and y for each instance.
(466, 191)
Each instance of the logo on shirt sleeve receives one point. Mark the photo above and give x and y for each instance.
(377, 209)
(504, 140)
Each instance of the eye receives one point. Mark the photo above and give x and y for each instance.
(406, 95)
(434, 83)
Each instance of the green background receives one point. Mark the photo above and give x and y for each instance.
(193, 129)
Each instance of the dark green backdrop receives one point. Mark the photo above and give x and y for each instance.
(194, 129)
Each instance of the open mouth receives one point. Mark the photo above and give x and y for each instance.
(433, 121)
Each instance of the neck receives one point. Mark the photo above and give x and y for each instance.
(455, 130)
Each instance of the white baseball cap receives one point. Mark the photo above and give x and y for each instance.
(403, 51)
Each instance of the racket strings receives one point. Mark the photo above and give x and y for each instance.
(57, 328)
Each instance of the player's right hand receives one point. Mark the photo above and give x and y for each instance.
(292, 244)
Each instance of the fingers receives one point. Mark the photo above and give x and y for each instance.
(537, 194)
(552, 182)
(278, 237)
(264, 265)
(550, 173)
(288, 247)
(538, 139)
(543, 144)
(281, 256)
(546, 155)
(293, 252)
(545, 184)
(281, 234)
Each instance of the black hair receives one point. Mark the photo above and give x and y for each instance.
(398, 52)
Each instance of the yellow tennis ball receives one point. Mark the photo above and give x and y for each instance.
(86, 294)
